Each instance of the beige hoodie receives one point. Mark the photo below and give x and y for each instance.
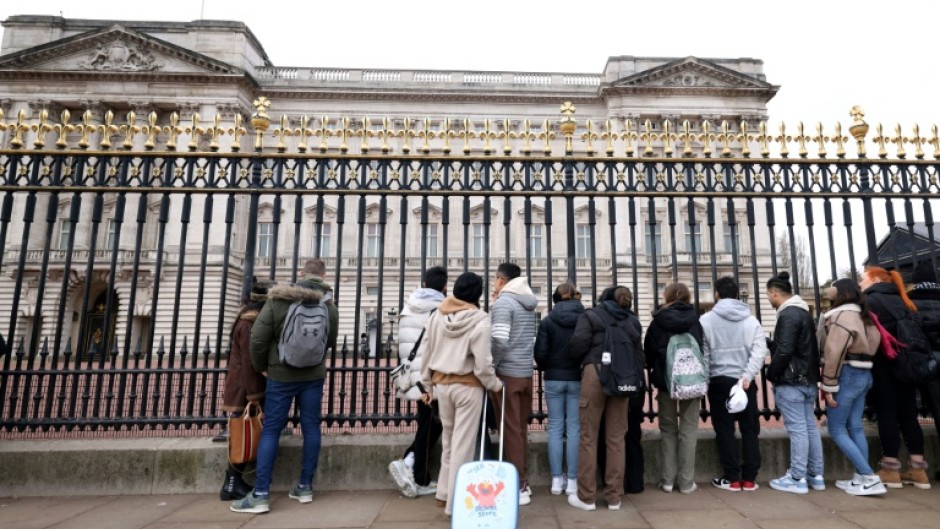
(845, 339)
(457, 347)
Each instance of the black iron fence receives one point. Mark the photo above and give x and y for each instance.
(121, 271)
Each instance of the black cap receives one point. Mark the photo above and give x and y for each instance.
(924, 272)
(468, 287)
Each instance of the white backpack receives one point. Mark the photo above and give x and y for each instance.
(686, 373)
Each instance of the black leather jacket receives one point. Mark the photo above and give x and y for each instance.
(794, 352)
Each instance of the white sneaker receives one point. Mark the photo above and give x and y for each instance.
(427, 490)
(613, 506)
(525, 496)
(816, 482)
(404, 478)
(572, 487)
(558, 485)
(844, 484)
(869, 486)
(575, 501)
(689, 490)
(665, 487)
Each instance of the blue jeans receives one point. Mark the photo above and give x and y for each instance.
(796, 404)
(563, 398)
(845, 420)
(278, 397)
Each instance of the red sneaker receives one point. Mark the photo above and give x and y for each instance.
(749, 486)
(724, 484)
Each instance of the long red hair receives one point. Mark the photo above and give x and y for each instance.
(876, 272)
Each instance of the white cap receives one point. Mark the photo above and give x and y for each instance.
(737, 400)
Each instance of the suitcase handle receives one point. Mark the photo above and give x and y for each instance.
(502, 422)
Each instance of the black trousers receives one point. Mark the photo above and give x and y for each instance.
(930, 396)
(895, 404)
(723, 422)
(428, 434)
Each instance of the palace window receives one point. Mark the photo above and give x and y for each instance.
(326, 241)
(432, 241)
(656, 237)
(477, 240)
(583, 238)
(697, 234)
(65, 231)
(265, 239)
(372, 240)
(535, 241)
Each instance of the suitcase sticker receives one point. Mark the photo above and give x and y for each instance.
(486, 496)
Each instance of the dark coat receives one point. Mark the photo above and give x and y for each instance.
(794, 352)
(242, 383)
(587, 342)
(551, 344)
(668, 321)
(885, 301)
(927, 298)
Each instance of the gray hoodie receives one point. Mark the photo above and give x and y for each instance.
(734, 340)
(513, 320)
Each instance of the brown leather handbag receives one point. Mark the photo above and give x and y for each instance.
(244, 434)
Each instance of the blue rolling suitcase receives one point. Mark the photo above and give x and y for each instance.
(486, 493)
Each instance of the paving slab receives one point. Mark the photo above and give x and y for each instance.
(765, 503)
(135, 512)
(716, 519)
(39, 513)
(829, 522)
(329, 510)
(914, 519)
(835, 500)
(205, 508)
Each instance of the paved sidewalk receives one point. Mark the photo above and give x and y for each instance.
(705, 509)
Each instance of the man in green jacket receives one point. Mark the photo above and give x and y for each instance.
(285, 383)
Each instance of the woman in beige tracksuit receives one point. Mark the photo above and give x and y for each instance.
(457, 369)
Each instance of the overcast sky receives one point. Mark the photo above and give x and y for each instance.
(825, 55)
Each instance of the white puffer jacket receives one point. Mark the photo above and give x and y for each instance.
(414, 316)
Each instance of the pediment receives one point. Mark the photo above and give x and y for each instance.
(691, 72)
(115, 49)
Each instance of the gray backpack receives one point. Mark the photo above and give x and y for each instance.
(305, 333)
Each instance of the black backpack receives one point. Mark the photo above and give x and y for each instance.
(623, 376)
(916, 363)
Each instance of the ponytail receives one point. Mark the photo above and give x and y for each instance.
(892, 277)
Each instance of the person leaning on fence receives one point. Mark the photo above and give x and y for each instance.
(794, 372)
(925, 293)
(736, 347)
(562, 375)
(678, 419)
(242, 383)
(412, 473)
(587, 344)
(513, 327)
(894, 401)
(457, 369)
(848, 343)
(285, 384)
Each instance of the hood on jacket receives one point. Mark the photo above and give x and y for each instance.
(794, 301)
(303, 291)
(249, 315)
(451, 305)
(676, 318)
(461, 322)
(422, 301)
(615, 310)
(566, 313)
(731, 309)
(519, 289)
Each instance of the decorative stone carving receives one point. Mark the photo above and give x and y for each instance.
(119, 55)
(691, 79)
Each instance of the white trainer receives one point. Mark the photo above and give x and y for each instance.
(558, 485)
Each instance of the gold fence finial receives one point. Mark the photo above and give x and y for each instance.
(260, 121)
(19, 128)
(151, 129)
(215, 132)
(63, 128)
(859, 129)
(237, 131)
(173, 130)
(41, 129)
(129, 130)
(86, 128)
(568, 125)
(107, 129)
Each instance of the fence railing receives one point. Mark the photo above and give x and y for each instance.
(121, 269)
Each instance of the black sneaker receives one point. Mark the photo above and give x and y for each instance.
(724, 484)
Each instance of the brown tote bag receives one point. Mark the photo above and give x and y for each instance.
(244, 434)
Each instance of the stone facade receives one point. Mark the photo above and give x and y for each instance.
(217, 68)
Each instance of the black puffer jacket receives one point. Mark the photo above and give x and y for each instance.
(587, 342)
(551, 344)
(885, 301)
(667, 322)
(794, 352)
(927, 298)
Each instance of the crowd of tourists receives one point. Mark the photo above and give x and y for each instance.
(456, 359)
